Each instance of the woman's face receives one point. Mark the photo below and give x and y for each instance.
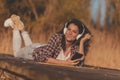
(71, 32)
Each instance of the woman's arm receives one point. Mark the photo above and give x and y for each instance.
(41, 54)
(81, 47)
(63, 62)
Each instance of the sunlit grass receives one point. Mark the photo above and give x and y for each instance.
(105, 49)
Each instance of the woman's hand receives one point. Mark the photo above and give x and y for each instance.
(86, 37)
(70, 62)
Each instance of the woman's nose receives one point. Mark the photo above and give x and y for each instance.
(70, 32)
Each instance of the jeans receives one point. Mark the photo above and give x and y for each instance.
(25, 52)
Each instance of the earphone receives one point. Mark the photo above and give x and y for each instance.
(79, 35)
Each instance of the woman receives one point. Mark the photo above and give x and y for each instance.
(60, 48)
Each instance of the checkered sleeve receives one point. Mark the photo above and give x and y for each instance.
(42, 53)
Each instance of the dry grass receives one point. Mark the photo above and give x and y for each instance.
(6, 41)
(105, 49)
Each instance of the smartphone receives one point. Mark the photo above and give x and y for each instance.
(76, 56)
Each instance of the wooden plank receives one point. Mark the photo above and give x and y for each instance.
(28, 70)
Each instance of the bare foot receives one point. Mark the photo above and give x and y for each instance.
(17, 23)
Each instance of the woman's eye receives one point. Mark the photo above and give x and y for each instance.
(74, 32)
(69, 29)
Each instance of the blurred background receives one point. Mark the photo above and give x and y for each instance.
(43, 18)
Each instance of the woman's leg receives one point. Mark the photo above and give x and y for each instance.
(26, 38)
(26, 52)
(17, 42)
(18, 27)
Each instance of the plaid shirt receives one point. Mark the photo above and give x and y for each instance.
(52, 49)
